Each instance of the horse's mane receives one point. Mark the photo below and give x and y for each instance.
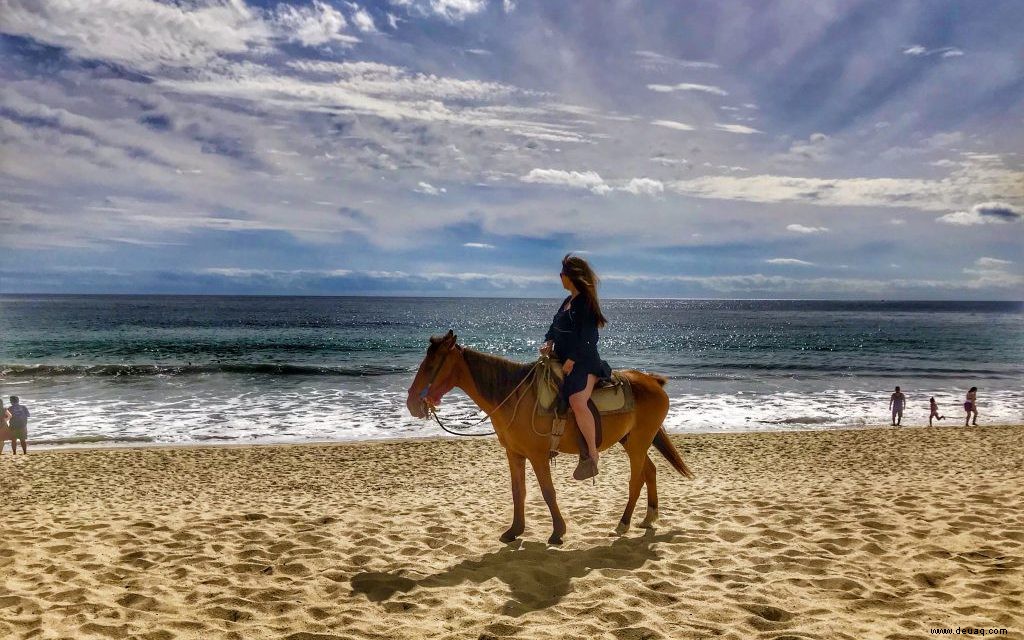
(495, 377)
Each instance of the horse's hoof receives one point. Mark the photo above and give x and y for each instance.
(622, 528)
(649, 521)
(556, 540)
(508, 536)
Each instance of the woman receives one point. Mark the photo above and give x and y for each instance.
(971, 406)
(573, 338)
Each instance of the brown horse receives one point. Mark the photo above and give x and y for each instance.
(489, 380)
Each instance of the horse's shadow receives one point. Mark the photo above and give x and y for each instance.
(537, 575)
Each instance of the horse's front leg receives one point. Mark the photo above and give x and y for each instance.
(542, 468)
(517, 469)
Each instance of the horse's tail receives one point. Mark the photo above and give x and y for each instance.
(665, 447)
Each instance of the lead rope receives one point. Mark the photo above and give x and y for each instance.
(433, 411)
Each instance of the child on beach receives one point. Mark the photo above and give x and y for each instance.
(934, 412)
(896, 402)
(971, 406)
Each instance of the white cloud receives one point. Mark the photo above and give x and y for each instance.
(654, 59)
(978, 179)
(790, 261)
(984, 213)
(478, 245)
(429, 189)
(946, 52)
(363, 21)
(992, 263)
(313, 25)
(141, 33)
(457, 10)
(672, 124)
(736, 128)
(645, 186)
(576, 179)
(799, 228)
(897, 222)
(686, 86)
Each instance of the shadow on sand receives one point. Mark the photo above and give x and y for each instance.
(537, 575)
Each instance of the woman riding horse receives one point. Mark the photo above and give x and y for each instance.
(573, 337)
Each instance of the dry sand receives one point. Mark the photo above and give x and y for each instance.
(850, 534)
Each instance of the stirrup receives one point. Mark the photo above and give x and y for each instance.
(557, 429)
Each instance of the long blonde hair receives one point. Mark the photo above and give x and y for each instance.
(585, 280)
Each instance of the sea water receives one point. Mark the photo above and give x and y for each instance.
(179, 369)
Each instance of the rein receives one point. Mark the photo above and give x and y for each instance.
(432, 411)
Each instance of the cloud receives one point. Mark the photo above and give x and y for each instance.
(977, 179)
(363, 21)
(146, 34)
(686, 86)
(920, 51)
(993, 273)
(478, 245)
(429, 189)
(799, 228)
(736, 128)
(654, 59)
(817, 148)
(456, 10)
(984, 213)
(790, 261)
(645, 186)
(313, 25)
(576, 179)
(672, 124)
(992, 263)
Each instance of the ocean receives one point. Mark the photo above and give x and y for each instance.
(184, 369)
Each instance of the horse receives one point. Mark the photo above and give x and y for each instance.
(492, 381)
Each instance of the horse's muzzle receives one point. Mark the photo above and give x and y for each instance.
(416, 406)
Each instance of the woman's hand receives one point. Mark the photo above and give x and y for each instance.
(567, 367)
(545, 349)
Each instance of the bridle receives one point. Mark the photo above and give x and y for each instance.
(432, 411)
(437, 370)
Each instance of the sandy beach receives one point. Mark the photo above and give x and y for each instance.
(877, 533)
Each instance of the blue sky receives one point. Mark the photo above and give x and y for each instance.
(854, 149)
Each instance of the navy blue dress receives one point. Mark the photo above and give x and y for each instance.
(574, 333)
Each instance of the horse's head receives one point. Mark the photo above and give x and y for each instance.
(436, 375)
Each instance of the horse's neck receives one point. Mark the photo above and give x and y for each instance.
(494, 378)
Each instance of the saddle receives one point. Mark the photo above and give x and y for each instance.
(611, 396)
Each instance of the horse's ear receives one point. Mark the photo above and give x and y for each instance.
(450, 335)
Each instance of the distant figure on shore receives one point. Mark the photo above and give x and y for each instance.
(17, 416)
(5, 429)
(896, 403)
(971, 406)
(934, 408)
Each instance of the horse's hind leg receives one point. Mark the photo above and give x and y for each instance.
(651, 480)
(517, 469)
(542, 468)
(636, 482)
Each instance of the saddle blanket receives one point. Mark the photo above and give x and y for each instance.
(610, 399)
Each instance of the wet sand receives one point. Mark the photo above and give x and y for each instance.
(877, 533)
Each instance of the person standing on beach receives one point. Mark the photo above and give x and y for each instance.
(934, 409)
(971, 406)
(896, 402)
(5, 429)
(17, 415)
(573, 338)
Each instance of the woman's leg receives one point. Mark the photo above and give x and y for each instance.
(584, 419)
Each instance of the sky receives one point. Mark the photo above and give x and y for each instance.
(707, 149)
